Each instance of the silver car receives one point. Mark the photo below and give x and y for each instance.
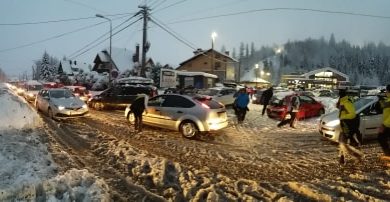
(369, 111)
(187, 114)
(60, 103)
(223, 95)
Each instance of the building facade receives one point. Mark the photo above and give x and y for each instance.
(320, 78)
(212, 62)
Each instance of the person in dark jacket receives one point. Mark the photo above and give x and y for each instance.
(241, 105)
(265, 98)
(137, 108)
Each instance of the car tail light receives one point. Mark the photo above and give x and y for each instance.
(77, 94)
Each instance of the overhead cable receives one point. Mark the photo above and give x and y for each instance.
(56, 21)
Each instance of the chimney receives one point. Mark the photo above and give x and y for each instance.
(136, 54)
(227, 53)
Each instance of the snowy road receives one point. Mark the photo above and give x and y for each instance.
(256, 161)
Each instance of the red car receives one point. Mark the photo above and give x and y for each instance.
(309, 107)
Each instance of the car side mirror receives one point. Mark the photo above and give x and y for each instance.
(46, 97)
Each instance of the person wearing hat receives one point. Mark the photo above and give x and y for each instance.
(349, 123)
(384, 132)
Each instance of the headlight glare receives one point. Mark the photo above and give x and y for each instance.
(61, 108)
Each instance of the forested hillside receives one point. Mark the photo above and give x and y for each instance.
(368, 64)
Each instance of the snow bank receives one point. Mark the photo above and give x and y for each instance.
(15, 114)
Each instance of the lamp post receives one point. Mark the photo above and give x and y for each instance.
(102, 16)
(213, 36)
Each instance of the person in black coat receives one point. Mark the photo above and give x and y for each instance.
(265, 98)
(137, 108)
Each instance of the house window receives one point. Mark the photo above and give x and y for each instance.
(217, 65)
(205, 63)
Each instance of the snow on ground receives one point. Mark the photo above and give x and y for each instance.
(27, 171)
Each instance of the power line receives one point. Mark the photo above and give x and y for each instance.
(56, 21)
(275, 9)
(170, 5)
(54, 37)
(81, 49)
(84, 5)
(187, 43)
(157, 5)
(105, 39)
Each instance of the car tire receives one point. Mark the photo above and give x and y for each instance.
(321, 112)
(188, 129)
(98, 106)
(131, 118)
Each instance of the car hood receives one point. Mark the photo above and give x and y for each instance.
(331, 116)
(72, 102)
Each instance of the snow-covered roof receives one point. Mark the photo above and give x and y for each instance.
(185, 73)
(122, 58)
(135, 79)
(307, 74)
(204, 52)
(66, 66)
(250, 76)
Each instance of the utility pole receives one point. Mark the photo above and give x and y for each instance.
(145, 13)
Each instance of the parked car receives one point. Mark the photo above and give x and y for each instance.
(309, 107)
(81, 92)
(370, 113)
(31, 89)
(221, 94)
(120, 96)
(188, 114)
(330, 94)
(52, 85)
(60, 103)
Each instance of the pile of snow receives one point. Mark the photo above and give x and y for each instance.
(27, 171)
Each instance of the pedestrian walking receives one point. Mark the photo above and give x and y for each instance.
(265, 98)
(241, 105)
(384, 132)
(137, 108)
(292, 111)
(350, 133)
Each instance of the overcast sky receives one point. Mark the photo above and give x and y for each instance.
(189, 19)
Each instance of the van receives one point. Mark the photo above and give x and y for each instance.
(120, 96)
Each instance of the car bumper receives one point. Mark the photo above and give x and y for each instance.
(71, 112)
(329, 133)
(214, 126)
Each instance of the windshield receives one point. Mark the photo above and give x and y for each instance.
(360, 103)
(60, 94)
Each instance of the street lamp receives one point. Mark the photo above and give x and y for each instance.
(102, 16)
(213, 36)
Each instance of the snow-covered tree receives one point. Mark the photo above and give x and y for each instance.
(46, 67)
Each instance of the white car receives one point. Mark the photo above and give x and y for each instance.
(220, 94)
(60, 103)
(369, 111)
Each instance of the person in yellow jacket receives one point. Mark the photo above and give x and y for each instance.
(384, 133)
(349, 122)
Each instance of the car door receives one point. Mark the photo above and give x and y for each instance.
(371, 120)
(153, 111)
(173, 108)
(44, 100)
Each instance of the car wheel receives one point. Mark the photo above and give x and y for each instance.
(321, 112)
(131, 118)
(188, 129)
(98, 106)
(50, 113)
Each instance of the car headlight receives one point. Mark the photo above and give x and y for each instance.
(61, 108)
(31, 94)
(85, 106)
(333, 123)
(254, 98)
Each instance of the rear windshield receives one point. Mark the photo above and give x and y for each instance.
(209, 102)
(361, 103)
(60, 94)
(35, 87)
(210, 92)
